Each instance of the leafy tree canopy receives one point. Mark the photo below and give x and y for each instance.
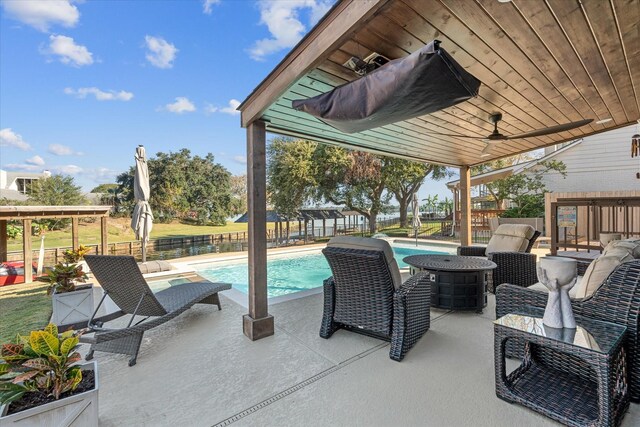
(104, 188)
(182, 187)
(56, 190)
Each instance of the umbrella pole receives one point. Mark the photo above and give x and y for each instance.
(144, 244)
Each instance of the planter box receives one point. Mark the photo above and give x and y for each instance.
(73, 307)
(79, 410)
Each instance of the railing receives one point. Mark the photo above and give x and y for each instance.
(176, 247)
(576, 224)
(480, 229)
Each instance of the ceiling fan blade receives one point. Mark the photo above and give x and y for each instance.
(486, 151)
(552, 129)
(456, 136)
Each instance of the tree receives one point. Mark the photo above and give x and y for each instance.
(526, 189)
(405, 179)
(104, 188)
(354, 179)
(238, 188)
(56, 190)
(290, 174)
(185, 187)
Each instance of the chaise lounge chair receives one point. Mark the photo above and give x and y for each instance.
(366, 294)
(122, 281)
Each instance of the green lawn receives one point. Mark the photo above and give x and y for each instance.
(119, 230)
(23, 308)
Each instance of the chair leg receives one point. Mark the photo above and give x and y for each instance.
(212, 299)
(90, 354)
(328, 326)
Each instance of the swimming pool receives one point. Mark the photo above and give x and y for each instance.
(293, 272)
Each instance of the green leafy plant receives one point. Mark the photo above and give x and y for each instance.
(42, 363)
(72, 256)
(63, 277)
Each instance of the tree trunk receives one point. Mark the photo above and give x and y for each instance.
(373, 226)
(403, 211)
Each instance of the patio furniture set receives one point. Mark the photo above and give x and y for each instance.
(582, 376)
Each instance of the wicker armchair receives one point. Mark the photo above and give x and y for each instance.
(616, 301)
(517, 268)
(361, 297)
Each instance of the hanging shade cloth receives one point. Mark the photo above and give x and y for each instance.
(142, 219)
(428, 80)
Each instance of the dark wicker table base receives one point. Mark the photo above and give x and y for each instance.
(457, 290)
(597, 398)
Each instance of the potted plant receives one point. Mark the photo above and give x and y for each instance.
(71, 303)
(76, 256)
(42, 384)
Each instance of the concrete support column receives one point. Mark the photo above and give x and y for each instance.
(26, 251)
(3, 240)
(465, 206)
(103, 235)
(258, 323)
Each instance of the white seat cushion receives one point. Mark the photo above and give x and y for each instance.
(510, 238)
(369, 244)
(616, 252)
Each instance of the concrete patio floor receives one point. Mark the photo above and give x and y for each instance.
(200, 370)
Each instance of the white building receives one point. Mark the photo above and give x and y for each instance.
(15, 185)
(597, 163)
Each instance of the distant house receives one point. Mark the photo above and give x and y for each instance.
(15, 185)
(597, 163)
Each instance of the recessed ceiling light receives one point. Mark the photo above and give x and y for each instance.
(504, 1)
(603, 121)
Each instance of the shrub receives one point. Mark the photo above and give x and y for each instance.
(43, 363)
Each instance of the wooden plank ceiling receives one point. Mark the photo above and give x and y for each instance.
(541, 63)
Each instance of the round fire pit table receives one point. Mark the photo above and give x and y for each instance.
(457, 282)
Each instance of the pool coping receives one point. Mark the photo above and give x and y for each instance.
(240, 298)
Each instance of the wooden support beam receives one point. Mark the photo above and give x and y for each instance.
(258, 323)
(103, 236)
(26, 251)
(3, 240)
(74, 233)
(465, 205)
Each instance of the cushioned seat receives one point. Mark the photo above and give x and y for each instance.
(366, 294)
(509, 248)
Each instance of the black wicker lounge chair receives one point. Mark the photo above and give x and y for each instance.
(365, 295)
(616, 301)
(517, 267)
(122, 281)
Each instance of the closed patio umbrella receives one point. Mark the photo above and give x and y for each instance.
(142, 219)
(416, 216)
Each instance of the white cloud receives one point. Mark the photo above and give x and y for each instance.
(66, 169)
(240, 159)
(182, 105)
(62, 150)
(283, 21)
(207, 6)
(22, 167)
(161, 53)
(230, 109)
(8, 138)
(35, 160)
(100, 95)
(69, 52)
(41, 14)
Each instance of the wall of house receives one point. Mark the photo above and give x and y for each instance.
(599, 163)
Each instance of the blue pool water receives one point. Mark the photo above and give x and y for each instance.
(292, 274)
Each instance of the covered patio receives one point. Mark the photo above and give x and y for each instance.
(541, 64)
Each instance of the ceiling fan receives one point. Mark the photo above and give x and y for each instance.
(496, 136)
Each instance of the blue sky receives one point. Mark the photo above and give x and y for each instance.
(82, 83)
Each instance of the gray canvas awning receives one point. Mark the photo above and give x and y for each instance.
(426, 81)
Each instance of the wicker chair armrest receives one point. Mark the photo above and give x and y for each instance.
(516, 268)
(411, 314)
(509, 298)
(472, 250)
(582, 267)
